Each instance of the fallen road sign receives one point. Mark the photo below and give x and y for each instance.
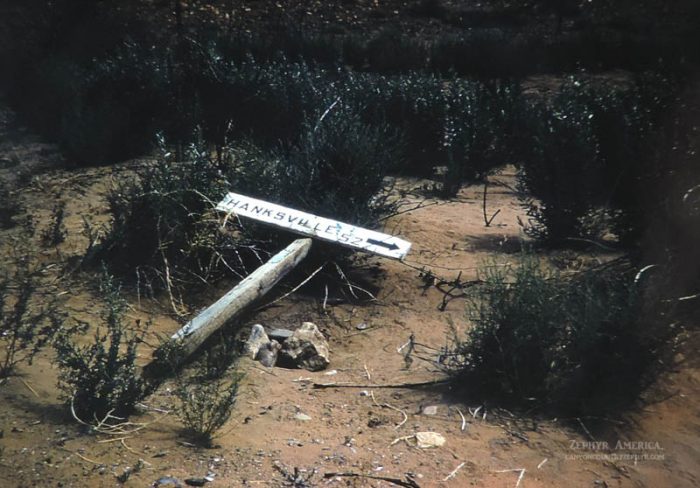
(312, 225)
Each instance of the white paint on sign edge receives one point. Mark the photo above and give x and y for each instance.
(312, 225)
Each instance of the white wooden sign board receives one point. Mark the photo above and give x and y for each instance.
(314, 226)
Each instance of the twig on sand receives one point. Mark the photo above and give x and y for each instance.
(585, 429)
(308, 278)
(487, 220)
(386, 405)
(169, 287)
(404, 438)
(82, 457)
(454, 472)
(369, 377)
(389, 385)
(105, 426)
(520, 470)
(407, 483)
(464, 421)
(123, 443)
(352, 286)
(116, 439)
(29, 387)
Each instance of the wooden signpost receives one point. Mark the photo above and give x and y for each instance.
(314, 226)
(195, 332)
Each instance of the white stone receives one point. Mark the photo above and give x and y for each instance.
(258, 338)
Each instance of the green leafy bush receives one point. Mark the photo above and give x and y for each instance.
(543, 339)
(101, 378)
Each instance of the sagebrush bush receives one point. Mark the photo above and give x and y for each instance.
(30, 315)
(55, 233)
(336, 169)
(9, 206)
(205, 404)
(101, 377)
(478, 133)
(163, 224)
(539, 338)
(587, 149)
(263, 102)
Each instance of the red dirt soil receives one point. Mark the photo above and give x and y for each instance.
(351, 430)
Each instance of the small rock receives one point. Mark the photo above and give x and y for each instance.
(294, 443)
(374, 422)
(196, 481)
(280, 335)
(430, 410)
(302, 416)
(362, 326)
(425, 440)
(167, 481)
(267, 354)
(124, 476)
(307, 348)
(256, 340)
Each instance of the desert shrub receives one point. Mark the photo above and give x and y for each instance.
(428, 8)
(336, 169)
(82, 81)
(163, 226)
(29, 312)
(643, 145)
(55, 233)
(114, 111)
(485, 52)
(263, 102)
(205, 404)
(541, 338)
(414, 105)
(390, 51)
(562, 168)
(101, 377)
(589, 149)
(480, 122)
(9, 206)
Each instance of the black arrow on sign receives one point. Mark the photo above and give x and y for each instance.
(391, 247)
